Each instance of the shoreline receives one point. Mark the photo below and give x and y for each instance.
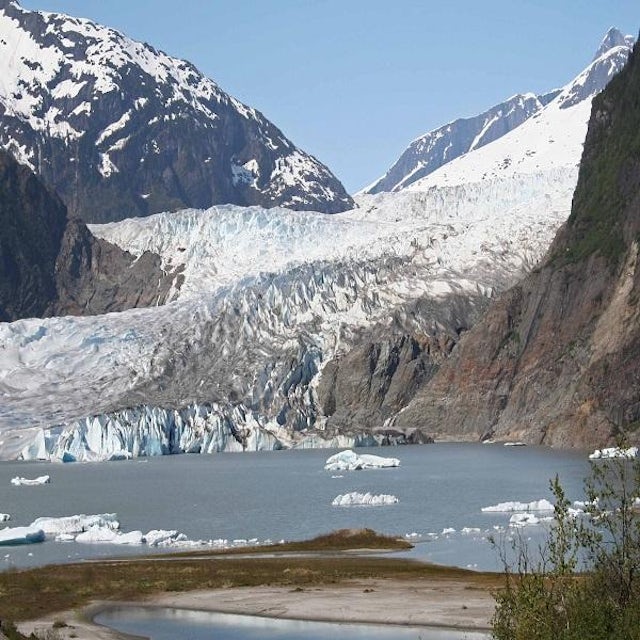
(449, 605)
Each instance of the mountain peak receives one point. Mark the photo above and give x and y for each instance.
(613, 38)
(120, 129)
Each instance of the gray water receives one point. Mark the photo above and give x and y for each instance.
(287, 495)
(169, 624)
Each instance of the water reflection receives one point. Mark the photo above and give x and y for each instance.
(169, 624)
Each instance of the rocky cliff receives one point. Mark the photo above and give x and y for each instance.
(52, 265)
(556, 360)
(119, 129)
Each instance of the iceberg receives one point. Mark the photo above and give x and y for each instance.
(20, 535)
(164, 538)
(76, 524)
(106, 535)
(355, 499)
(525, 519)
(507, 507)
(350, 461)
(97, 535)
(19, 481)
(614, 452)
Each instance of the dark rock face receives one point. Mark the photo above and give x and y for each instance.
(119, 129)
(52, 265)
(366, 387)
(557, 359)
(94, 276)
(32, 224)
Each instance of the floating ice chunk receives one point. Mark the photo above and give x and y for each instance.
(18, 481)
(355, 499)
(163, 537)
(76, 524)
(4, 517)
(65, 537)
(447, 530)
(350, 461)
(105, 535)
(523, 519)
(97, 535)
(470, 530)
(20, 535)
(614, 452)
(507, 507)
(515, 444)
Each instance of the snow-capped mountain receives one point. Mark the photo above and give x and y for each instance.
(526, 133)
(119, 129)
(290, 328)
(431, 150)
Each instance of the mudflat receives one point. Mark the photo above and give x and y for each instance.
(454, 604)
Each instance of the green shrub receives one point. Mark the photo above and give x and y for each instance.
(586, 584)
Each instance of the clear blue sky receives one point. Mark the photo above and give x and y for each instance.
(354, 81)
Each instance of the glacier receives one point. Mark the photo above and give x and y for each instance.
(270, 297)
(234, 362)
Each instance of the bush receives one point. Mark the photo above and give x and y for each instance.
(586, 584)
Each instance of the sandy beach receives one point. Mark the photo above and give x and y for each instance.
(435, 603)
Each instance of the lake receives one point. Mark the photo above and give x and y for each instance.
(287, 495)
(168, 624)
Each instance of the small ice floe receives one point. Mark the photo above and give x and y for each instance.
(350, 461)
(164, 538)
(355, 499)
(515, 444)
(65, 537)
(448, 531)
(470, 531)
(614, 452)
(30, 482)
(76, 524)
(338, 476)
(105, 535)
(507, 507)
(4, 517)
(20, 535)
(526, 519)
(412, 536)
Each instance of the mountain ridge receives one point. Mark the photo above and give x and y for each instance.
(430, 158)
(118, 128)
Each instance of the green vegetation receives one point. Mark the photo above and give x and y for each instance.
(608, 179)
(552, 599)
